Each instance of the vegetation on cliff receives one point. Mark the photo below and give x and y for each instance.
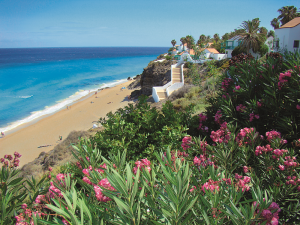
(236, 163)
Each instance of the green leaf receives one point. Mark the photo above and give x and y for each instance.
(122, 205)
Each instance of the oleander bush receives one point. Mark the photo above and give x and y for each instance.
(221, 185)
(261, 95)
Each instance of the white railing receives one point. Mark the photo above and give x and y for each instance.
(169, 87)
(154, 95)
(181, 72)
(159, 88)
(173, 87)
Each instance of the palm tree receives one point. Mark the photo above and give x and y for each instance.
(202, 38)
(173, 42)
(263, 30)
(216, 38)
(190, 41)
(287, 13)
(208, 38)
(275, 23)
(251, 37)
(225, 37)
(183, 40)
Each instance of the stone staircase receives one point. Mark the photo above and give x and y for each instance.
(176, 78)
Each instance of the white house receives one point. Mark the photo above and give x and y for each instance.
(230, 44)
(288, 36)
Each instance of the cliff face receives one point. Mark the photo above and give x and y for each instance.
(155, 74)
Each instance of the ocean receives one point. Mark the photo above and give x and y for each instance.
(38, 81)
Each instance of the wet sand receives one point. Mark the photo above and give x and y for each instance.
(28, 138)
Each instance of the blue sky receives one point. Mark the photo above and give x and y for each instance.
(83, 23)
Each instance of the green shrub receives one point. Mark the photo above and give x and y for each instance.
(168, 57)
(265, 96)
(141, 129)
(238, 50)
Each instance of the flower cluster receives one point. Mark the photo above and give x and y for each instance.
(252, 116)
(260, 149)
(26, 215)
(225, 84)
(186, 142)
(282, 78)
(104, 183)
(203, 161)
(289, 163)
(99, 195)
(242, 182)
(273, 135)
(211, 185)
(202, 118)
(293, 181)
(221, 135)
(245, 136)
(218, 116)
(142, 164)
(269, 215)
(240, 108)
(10, 161)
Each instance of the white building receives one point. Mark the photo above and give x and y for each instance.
(288, 36)
(230, 44)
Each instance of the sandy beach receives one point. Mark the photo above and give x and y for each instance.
(80, 116)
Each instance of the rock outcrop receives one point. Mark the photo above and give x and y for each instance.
(155, 74)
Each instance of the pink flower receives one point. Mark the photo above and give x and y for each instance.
(247, 179)
(60, 176)
(186, 142)
(17, 155)
(86, 172)
(39, 199)
(238, 87)
(87, 180)
(245, 168)
(281, 167)
(258, 104)
(193, 188)
(298, 107)
(24, 206)
(146, 162)
(99, 195)
(218, 116)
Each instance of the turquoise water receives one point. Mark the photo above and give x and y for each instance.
(36, 82)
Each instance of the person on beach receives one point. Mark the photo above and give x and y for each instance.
(2, 134)
(60, 137)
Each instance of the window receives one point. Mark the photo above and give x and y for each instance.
(296, 44)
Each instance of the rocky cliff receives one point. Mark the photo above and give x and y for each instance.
(155, 74)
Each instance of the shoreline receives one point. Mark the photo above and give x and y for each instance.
(28, 138)
(59, 105)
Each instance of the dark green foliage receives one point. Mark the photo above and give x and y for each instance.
(263, 49)
(141, 129)
(168, 57)
(234, 61)
(238, 50)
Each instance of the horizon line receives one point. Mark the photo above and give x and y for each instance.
(92, 47)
